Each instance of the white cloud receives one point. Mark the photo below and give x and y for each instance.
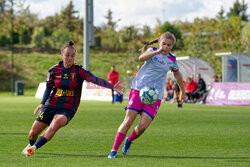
(45, 7)
(138, 12)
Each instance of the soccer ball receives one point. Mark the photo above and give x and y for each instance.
(149, 95)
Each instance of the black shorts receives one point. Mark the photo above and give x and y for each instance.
(47, 113)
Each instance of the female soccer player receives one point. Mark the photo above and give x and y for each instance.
(61, 98)
(153, 73)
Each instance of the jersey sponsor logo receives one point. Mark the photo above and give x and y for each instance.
(58, 76)
(65, 76)
(61, 92)
(159, 61)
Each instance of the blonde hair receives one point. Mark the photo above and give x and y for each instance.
(165, 35)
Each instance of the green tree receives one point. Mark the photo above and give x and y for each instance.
(2, 6)
(110, 23)
(24, 36)
(68, 16)
(230, 31)
(167, 26)
(38, 37)
(60, 37)
(239, 9)
(200, 41)
(25, 22)
(110, 39)
(220, 14)
(51, 24)
(245, 39)
(4, 40)
(147, 32)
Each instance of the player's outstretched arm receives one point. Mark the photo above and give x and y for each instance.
(147, 55)
(118, 88)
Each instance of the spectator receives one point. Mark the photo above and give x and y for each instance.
(191, 87)
(138, 67)
(198, 93)
(113, 77)
(215, 78)
(169, 92)
(220, 79)
(185, 83)
(204, 96)
(171, 83)
(192, 77)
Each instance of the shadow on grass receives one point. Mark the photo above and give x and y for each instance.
(14, 134)
(186, 157)
(69, 155)
(143, 156)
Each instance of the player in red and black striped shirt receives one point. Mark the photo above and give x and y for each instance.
(61, 98)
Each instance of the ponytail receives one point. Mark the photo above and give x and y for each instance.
(166, 35)
(146, 44)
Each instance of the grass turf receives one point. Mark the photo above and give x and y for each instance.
(196, 135)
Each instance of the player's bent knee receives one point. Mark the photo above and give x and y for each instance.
(32, 133)
(127, 124)
(142, 128)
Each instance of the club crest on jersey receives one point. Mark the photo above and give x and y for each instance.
(72, 75)
(162, 62)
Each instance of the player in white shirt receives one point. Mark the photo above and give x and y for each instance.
(157, 62)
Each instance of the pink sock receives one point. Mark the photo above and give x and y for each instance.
(118, 140)
(132, 136)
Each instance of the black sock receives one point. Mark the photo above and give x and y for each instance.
(32, 142)
(40, 142)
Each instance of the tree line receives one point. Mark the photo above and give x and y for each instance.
(200, 38)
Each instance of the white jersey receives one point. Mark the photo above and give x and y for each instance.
(154, 70)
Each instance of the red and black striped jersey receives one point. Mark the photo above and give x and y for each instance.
(64, 86)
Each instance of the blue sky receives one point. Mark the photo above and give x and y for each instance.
(138, 12)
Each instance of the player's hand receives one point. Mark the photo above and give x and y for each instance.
(40, 106)
(182, 98)
(118, 88)
(159, 50)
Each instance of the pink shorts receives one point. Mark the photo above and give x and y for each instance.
(134, 103)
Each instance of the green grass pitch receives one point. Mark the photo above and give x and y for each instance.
(196, 135)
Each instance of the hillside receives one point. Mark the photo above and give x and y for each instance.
(32, 67)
